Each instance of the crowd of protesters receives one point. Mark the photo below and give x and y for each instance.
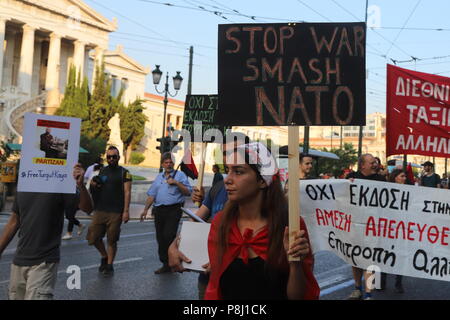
(248, 244)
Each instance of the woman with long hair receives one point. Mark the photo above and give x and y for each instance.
(249, 240)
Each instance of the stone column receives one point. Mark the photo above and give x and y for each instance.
(26, 59)
(78, 57)
(99, 53)
(2, 41)
(53, 69)
(53, 64)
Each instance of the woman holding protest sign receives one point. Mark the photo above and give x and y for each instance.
(248, 243)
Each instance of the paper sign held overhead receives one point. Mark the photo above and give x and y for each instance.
(49, 152)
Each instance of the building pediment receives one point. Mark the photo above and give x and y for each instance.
(76, 11)
(120, 59)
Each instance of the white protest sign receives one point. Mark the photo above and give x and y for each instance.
(194, 244)
(49, 151)
(401, 229)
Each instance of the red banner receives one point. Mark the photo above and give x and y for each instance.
(418, 113)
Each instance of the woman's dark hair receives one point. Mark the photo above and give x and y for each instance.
(274, 208)
(394, 174)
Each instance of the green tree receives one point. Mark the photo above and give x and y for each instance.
(102, 106)
(132, 125)
(96, 148)
(76, 97)
(347, 156)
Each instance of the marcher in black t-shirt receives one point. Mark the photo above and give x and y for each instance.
(430, 179)
(39, 219)
(367, 169)
(111, 192)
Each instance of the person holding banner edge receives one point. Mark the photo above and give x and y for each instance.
(367, 169)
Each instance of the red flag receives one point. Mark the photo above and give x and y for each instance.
(409, 173)
(187, 165)
(417, 113)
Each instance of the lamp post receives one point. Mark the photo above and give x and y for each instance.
(157, 73)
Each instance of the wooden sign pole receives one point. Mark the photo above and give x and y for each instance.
(294, 188)
(201, 169)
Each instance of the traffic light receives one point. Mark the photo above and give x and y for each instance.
(164, 145)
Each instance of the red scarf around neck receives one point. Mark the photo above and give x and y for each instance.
(238, 246)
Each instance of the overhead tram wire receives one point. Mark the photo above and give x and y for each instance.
(158, 52)
(164, 40)
(377, 33)
(404, 25)
(132, 21)
(221, 15)
(255, 18)
(157, 44)
(312, 9)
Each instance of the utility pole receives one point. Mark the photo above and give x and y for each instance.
(361, 127)
(189, 86)
(191, 59)
(306, 140)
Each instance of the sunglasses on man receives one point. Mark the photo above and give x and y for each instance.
(114, 156)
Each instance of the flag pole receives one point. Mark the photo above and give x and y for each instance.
(201, 169)
(293, 184)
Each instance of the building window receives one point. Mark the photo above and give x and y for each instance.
(124, 84)
(114, 92)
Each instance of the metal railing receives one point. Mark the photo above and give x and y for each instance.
(14, 116)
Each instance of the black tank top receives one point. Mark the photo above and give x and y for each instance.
(252, 281)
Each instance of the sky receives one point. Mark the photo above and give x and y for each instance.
(413, 33)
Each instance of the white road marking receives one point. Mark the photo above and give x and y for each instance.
(93, 266)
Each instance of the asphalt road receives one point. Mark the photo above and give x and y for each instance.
(137, 259)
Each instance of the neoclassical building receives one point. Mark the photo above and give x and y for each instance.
(41, 40)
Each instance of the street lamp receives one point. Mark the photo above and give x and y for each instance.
(157, 73)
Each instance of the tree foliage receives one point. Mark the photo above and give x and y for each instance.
(96, 111)
(347, 156)
(132, 125)
(76, 97)
(102, 106)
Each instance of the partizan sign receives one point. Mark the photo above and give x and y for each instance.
(386, 227)
(418, 113)
(200, 115)
(292, 74)
(49, 152)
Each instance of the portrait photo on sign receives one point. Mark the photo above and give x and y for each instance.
(51, 142)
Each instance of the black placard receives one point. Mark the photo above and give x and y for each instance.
(292, 74)
(201, 108)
